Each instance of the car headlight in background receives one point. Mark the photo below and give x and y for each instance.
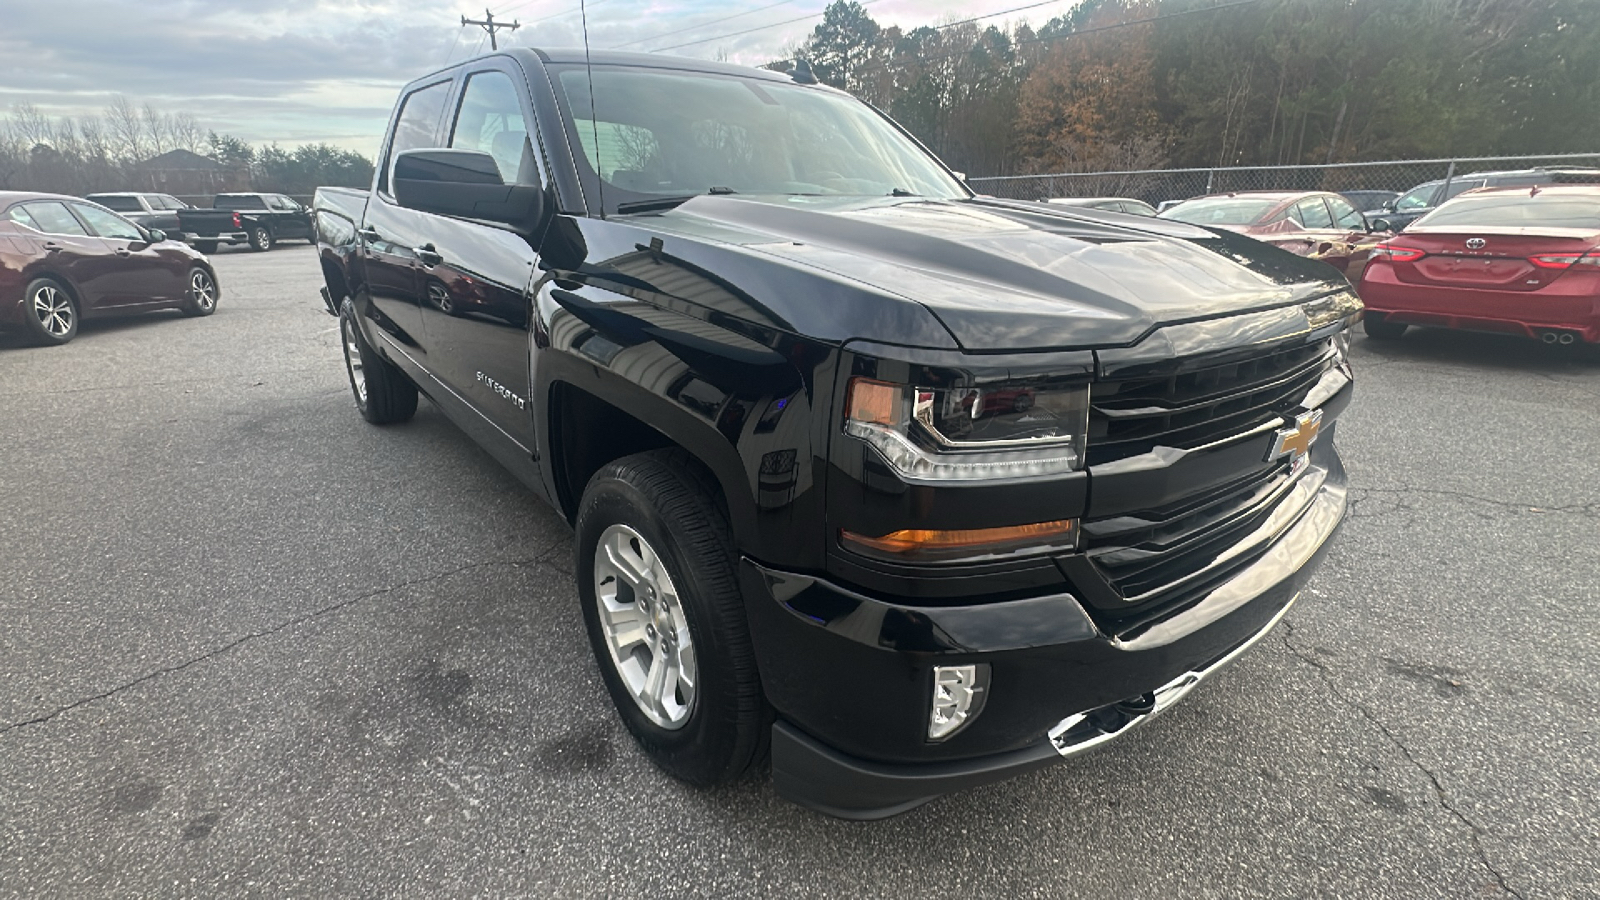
(960, 434)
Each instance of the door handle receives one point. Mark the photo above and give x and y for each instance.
(124, 251)
(369, 234)
(428, 254)
(52, 247)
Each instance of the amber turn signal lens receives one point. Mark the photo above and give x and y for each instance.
(919, 543)
(874, 401)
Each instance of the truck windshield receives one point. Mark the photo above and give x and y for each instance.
(659, 133)
(238, 201)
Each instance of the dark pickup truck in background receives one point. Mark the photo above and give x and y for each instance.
(158, 211)
(906, 489)
(260, 220)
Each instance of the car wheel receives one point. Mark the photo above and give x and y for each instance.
(50, 311)
(202, 293)
(1379, 328)
(261, 238)
(206, 247)
(657, 579)
(384, 395)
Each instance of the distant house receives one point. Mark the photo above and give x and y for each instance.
(185, 172)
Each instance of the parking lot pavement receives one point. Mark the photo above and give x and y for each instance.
(250, 645)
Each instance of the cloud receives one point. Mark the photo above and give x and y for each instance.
(295, 71)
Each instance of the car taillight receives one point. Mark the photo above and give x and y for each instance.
(1564, 260)
(1397, 253)
(236, 222)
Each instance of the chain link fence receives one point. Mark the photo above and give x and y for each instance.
(1157, 186)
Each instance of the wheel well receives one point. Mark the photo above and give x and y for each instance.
(66, 285)
(587, 433)
(335, 281)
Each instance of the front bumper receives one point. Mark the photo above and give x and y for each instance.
(850, 675)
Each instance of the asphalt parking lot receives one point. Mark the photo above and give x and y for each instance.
(252, 646)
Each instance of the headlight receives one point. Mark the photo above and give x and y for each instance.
(1331, 308)
(971, 433)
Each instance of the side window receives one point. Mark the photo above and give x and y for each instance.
(53, 218)
(1314, 213)
(276, 202)
(1460, 186)
(20, 216)
(490, 121)
(416, 126)
(1346, 215)
(107, 225)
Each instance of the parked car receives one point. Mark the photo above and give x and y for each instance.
(1114, 204)
(260, 220)
(63, 260)
(1369, 199)
(1314, 224)
(159, 211)
(1518, 260)
(916, 488)
(1425, 197)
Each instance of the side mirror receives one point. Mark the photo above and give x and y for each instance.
(1376, 226)
(960, 176)
(466, 184)
(154, 235)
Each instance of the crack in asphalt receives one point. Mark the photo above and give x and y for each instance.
(268, 632)
(1590, 509)
(1474, 830)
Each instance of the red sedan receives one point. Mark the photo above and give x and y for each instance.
(1518, 260)
(1316, 224)
(63, 259)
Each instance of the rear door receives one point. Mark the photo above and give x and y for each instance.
(289, 219)
(139, 273)
(1352, 229)
(71, 252)
(390, 234)
(476, 306)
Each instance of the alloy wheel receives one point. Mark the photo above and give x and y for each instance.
(203, 290)
(645, 628)
(352, 361)
(54, 310)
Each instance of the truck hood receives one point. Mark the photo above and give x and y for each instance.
(1006, 276)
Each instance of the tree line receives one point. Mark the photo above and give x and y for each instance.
(108, 152)
(1124, 84)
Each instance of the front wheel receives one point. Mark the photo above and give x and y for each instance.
(657, 580)
(260, 239)
(200, 297)
(383, 393)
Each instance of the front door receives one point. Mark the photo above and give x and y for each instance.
(476, 307)
(138, 274)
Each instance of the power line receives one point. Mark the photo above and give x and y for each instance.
(749, 30)
(657, 37)
(1003, 12)
(453, 45)
(491, 26)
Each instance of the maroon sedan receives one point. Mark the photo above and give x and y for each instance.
(1315, 224)
(1515, 259)
(63, 259)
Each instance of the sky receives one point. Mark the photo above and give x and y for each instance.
(299, 71)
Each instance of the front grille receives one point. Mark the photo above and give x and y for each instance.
(1146, 555)
(1199, 402)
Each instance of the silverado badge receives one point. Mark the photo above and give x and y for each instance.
(1295, 440)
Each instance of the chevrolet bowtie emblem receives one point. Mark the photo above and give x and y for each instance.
(1295, 440)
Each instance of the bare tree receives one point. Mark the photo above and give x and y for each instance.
(127, 129)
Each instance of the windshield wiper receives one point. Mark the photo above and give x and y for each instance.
(658, 203)
(902, 192)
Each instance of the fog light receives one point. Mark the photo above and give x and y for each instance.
(958, 695)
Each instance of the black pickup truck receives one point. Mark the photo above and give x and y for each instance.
(902, 488)
(260, 220)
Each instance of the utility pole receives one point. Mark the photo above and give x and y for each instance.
(491, 26)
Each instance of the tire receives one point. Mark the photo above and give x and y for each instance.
(383, 394)
(206, 247)
(655, 552)
(49, 312)
(202, 293)
(261, 239)
(1380, 329)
